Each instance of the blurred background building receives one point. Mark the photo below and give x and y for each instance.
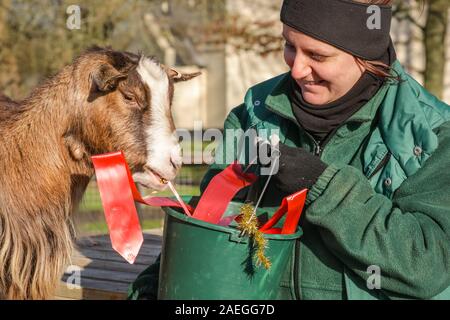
(234, 43)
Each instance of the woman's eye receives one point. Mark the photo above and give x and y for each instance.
(317, 57)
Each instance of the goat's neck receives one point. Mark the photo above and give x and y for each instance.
(39, 185)
(49, 178)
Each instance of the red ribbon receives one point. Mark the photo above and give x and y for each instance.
(118, 204)
(220, 191)
(293, 206)
(118, 193)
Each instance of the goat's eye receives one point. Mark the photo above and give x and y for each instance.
(132, 101)
(128, 97)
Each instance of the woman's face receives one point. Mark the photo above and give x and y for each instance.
(324, 73)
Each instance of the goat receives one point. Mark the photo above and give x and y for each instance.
(104, 101)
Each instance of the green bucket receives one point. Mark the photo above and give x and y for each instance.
(203, 261)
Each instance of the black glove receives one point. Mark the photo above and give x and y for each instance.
(298, 169)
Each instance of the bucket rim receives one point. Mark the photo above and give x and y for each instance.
(232, 231)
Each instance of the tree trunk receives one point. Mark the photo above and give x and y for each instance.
(4, 10)
(8, 64)
(434, 37)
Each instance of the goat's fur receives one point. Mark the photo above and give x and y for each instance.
(45, 148)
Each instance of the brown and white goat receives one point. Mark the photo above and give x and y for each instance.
(104, 101)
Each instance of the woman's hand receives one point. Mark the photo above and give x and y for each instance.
(298, 169)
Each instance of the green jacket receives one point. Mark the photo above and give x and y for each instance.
(383, 200)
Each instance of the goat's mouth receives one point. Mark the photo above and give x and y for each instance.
(149, 178)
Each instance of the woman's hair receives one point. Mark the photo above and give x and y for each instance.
(377, 68)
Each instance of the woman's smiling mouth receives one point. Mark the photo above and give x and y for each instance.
(313, 83)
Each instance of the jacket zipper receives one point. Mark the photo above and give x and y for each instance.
(318, 148)
(320, 145)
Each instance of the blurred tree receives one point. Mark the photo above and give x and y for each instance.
(35, 41)
(223, 22)
(434, 32)
(260, 35)
(9, 77)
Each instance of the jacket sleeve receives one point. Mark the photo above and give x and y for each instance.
(407, 237)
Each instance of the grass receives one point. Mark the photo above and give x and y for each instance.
(183, 190)
(191, 174)
(92, 202)
(100, 226)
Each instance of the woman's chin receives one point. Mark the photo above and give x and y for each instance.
(315, 98)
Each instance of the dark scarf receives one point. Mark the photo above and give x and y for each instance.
(320, 121)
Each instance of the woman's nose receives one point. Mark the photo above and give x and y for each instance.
(300, 67)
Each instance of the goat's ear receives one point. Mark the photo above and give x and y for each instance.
(107, 78)
(178, 76)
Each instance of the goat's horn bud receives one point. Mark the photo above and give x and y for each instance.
(178, 74)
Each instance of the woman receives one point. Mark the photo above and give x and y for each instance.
(371, 145)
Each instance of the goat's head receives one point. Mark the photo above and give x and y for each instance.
(129, 108)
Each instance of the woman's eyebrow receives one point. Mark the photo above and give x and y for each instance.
(311, 48)
(318, 50)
